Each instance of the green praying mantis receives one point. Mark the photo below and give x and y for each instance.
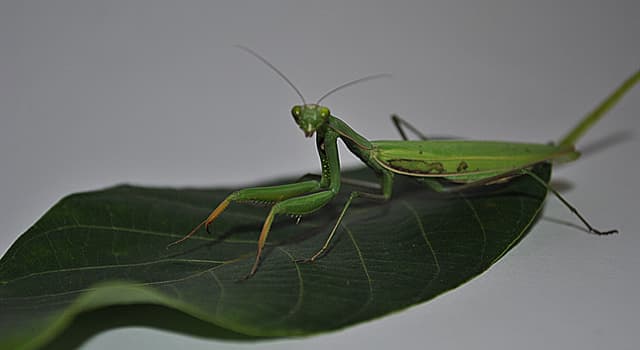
(443, 165)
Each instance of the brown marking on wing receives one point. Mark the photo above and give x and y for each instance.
(462, 166)
(426, 168)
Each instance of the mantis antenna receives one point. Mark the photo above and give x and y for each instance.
(264, 60)
(284, 77)
(353, 82)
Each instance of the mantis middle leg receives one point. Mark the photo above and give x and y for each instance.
(387, 188)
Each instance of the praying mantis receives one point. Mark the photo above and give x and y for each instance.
(442, 165)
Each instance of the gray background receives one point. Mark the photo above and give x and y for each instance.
(95, 93)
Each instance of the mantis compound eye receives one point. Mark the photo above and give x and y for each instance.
(324, 112)
(296, 112)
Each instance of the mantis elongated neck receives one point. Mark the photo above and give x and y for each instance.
(345, 131)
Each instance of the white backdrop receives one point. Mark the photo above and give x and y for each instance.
(95, 93)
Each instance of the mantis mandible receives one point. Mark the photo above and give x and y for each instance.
(443, 165)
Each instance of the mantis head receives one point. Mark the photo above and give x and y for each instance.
(310, 117)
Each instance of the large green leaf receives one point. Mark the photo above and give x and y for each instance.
(101, 258)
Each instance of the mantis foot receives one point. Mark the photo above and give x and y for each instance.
(602, 233)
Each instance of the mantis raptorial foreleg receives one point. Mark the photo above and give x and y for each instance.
(308, 204)
(293, 206)
(261, 194)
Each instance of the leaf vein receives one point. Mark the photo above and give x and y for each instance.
(428, 242)
(116, 266)
(296, 307)
(213, 274)
(70, 292)
(366, 272)
(482, 229)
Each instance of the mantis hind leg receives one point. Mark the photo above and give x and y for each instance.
(567, 204)
(400, 124)
(439, 187)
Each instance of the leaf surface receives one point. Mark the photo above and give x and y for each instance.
(100, 258)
